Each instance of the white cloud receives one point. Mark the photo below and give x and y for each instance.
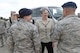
(14, 5)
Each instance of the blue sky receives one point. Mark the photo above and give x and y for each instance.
(6, 6)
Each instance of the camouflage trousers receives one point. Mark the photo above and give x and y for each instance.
(1, 41)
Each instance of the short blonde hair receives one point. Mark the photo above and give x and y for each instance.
(13, 12)
(43, 9)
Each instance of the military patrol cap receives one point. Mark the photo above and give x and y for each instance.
(69, 4)
(25, 12)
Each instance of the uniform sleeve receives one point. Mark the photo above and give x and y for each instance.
(36, 40)
(36, 23)
(2, 27)
(53, 23)
(7, 24)
(57, 31)
(10, 41)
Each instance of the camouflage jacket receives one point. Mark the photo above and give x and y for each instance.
(10, 22)
(23, 38)
(67, 33)
(2, 27)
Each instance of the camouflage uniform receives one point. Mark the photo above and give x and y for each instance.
(9, 23)
(67, 32)
(60, 18)
(23, 38)
(2, 32)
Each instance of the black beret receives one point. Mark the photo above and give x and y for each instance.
(69, 4)
(25, 12)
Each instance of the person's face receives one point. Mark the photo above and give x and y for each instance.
(45, 13)
(28, 18)
(14, 16)
(64, 12)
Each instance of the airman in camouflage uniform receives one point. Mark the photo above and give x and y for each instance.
(67, 31)
(12, 19)
(23, 36)
(2, 32)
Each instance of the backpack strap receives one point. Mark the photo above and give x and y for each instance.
(10, 21)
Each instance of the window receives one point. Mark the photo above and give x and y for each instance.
(56, 11)
(36, 12)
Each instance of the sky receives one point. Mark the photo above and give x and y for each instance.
(6, 6)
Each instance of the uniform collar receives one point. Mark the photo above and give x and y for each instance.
(48, 20)
(69, 16)
(22, 20)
